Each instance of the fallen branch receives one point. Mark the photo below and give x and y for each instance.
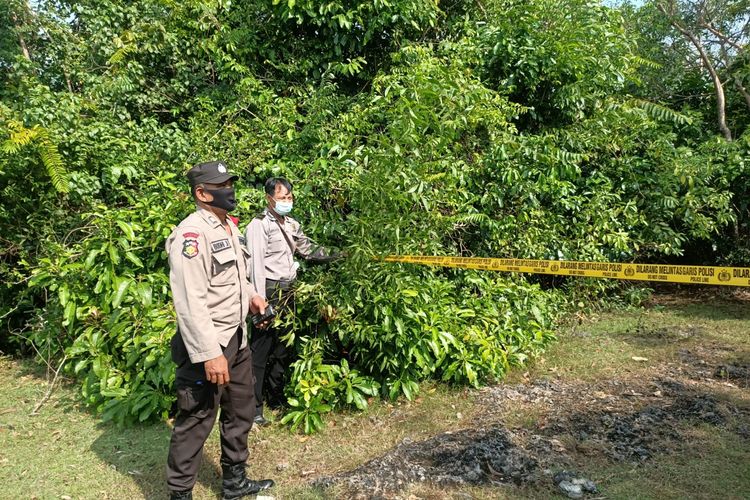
(35, 411)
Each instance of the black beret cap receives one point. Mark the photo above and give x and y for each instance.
(211, 172)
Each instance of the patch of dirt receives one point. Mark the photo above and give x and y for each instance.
(524, 433)
(739, 374)
(704, 363)
(470, 456)
(634, 425)
(660, 335)
(670, 295)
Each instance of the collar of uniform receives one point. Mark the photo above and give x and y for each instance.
(209, 217)
(268, 214)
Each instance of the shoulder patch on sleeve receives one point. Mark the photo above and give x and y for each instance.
(190, 235)
(220, 245)
(189, 247)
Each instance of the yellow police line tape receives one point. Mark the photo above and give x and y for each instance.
(703, 275)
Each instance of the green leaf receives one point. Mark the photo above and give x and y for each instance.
(127, 229)
(114, 254)
(119, 294)
(359, 401)
(80, 365)
(134, 259)
(70, 314)
(406, 389)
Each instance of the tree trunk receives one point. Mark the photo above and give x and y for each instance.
(21, 41)
(718, 86)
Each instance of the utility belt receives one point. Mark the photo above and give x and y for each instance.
(280, 283)
(280, 293)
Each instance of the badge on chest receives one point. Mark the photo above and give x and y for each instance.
(220, 245)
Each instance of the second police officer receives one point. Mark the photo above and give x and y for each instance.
(273, 238)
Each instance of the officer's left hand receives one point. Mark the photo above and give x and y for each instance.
(217, 370)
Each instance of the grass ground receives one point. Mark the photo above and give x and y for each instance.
(63, 452)
(682, 339)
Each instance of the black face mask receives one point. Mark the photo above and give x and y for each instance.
(223, 198)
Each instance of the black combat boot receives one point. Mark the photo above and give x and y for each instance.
(237, 485)
(181, 495)
(261, 421)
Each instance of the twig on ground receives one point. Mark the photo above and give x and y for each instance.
(33, 346)
(35, 411)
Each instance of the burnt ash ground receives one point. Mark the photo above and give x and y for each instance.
(620, 419)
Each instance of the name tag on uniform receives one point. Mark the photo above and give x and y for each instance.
(220, 245)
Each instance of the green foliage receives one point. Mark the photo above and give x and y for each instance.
(113, 306)
(318, 387)
(680, 79)
(498, 128)
(301, 39)
(400, 325)
(559, 66)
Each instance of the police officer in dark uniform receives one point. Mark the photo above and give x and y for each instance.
(212, 297)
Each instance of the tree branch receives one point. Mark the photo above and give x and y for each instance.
(481, 7)
(724, 38)
(742, 90)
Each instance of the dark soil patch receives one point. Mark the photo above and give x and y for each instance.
(703, 364)
(639, 435)
(658, 336)
(526, 434)
(678, 295)
(738, 374)
(618, 420)
(471, 456)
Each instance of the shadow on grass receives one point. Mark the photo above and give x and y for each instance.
(682, 323)
(137, 453)
(735, 310)
(140, 453)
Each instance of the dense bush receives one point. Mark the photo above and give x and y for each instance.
(495, 129)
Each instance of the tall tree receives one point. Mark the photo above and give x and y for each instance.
(717, 31)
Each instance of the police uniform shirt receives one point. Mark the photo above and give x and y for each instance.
(271, 256)
(208, 276)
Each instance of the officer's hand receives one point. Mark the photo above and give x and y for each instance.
(258, 305)
(217, 371)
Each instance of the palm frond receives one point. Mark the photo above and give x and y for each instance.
(662, 113)
(53, 162)
(21, 136)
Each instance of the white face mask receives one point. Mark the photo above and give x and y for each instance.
(283, 207)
